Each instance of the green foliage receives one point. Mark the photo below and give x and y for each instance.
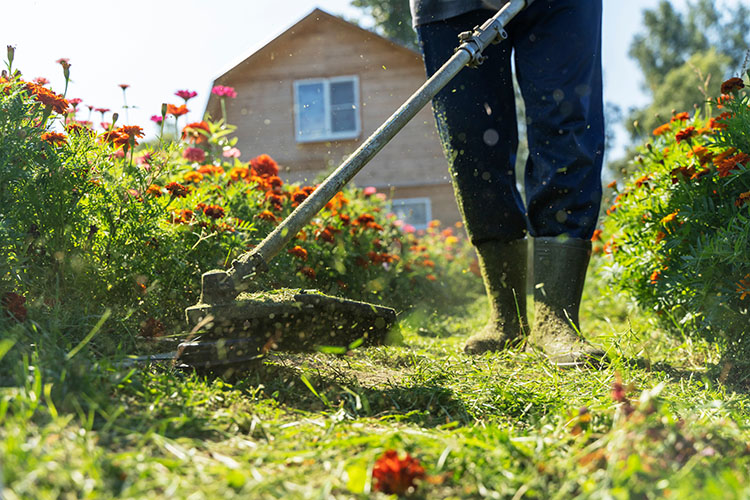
(677, 52)
(680, 228)
(392, 19)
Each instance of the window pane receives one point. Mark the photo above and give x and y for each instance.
(343, 120)
(312, 120)
(342, 93)
(411, 212)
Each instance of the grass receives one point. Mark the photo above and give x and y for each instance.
(507, 425)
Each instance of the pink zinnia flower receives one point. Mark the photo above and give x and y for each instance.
(40, 80)
(156, 119)
(222, 91)
(123, 86)
(186, 94)
(369, 191)
(408, 228)
(63, 60)
(75, 101)
(101, 110)
(194, 155)
(231, 153)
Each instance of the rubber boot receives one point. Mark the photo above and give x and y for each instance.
(503, 267)
(559, 274)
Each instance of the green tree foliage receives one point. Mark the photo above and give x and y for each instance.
(392, 19)
(684, 55)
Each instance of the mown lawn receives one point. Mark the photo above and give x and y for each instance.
(507, 425)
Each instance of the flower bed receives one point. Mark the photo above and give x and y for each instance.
(680, 229)
(93, 220)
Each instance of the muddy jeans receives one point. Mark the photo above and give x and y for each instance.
(556, 46)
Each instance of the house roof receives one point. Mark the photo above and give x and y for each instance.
(315, 16)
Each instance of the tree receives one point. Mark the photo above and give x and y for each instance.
(684, 56)
(392, 19)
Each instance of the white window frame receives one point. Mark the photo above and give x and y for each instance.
(424, 200)
(328, 134)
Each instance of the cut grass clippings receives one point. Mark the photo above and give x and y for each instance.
(659, 421)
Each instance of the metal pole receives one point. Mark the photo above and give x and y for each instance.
(468, 53)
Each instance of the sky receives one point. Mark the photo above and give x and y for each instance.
(160, 46)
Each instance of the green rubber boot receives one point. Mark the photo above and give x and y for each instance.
(503, 267)
(559, 274)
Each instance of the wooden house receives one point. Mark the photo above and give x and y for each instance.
(314, 93)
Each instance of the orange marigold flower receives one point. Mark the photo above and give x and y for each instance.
(723, 99)
(374, 226)
(660, 236)
(669, 218)
(597, 236)
(177, 190)
(55, 102)
(154, 190)
(732, 85)
(682, 173)
(655, 276)
(642, 180)
(702, 153)
(177, 111)
(428, 263)
(613, 209)
(55, 138)
(267, 215)
(612, 185)
(433, 223)
(192, 176)
(308, 271)
(680, 117)
(685, 134)
(211, 169)
(298, 252)
(13, 305)
(264, 166)
(431, 277)
(130, 133)
(743, 287)
(725, 166)
(394, 475)
(238, 173)
(196, 132)
(742, 199)
(662, 129)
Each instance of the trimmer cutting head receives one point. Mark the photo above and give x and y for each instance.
(249, 326)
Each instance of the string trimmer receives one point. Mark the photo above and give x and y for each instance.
(238, 325)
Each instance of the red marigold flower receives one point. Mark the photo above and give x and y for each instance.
(214, 211)
(267, 215)
(186, 94)
(264, 166)
(177, 111)
(196, 155)
(732, 85)
(299, 252)
(680, 117)
(55, 138)
(177, 190)
(660, 236)
(662, 129)
(56, 102)
(394, 475)
(308, 271)
(375, 226)
(726, 166)
(13, 304)
(196, 132)
(128, 135)
(222, 91)
(152, 328)
(685, 134)
(363, 219)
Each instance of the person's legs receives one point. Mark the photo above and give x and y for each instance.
(476, 119)
(558, 63)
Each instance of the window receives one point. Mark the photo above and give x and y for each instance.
(326, 109)
(414, 211)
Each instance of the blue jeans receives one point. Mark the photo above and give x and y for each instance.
(556, 45)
